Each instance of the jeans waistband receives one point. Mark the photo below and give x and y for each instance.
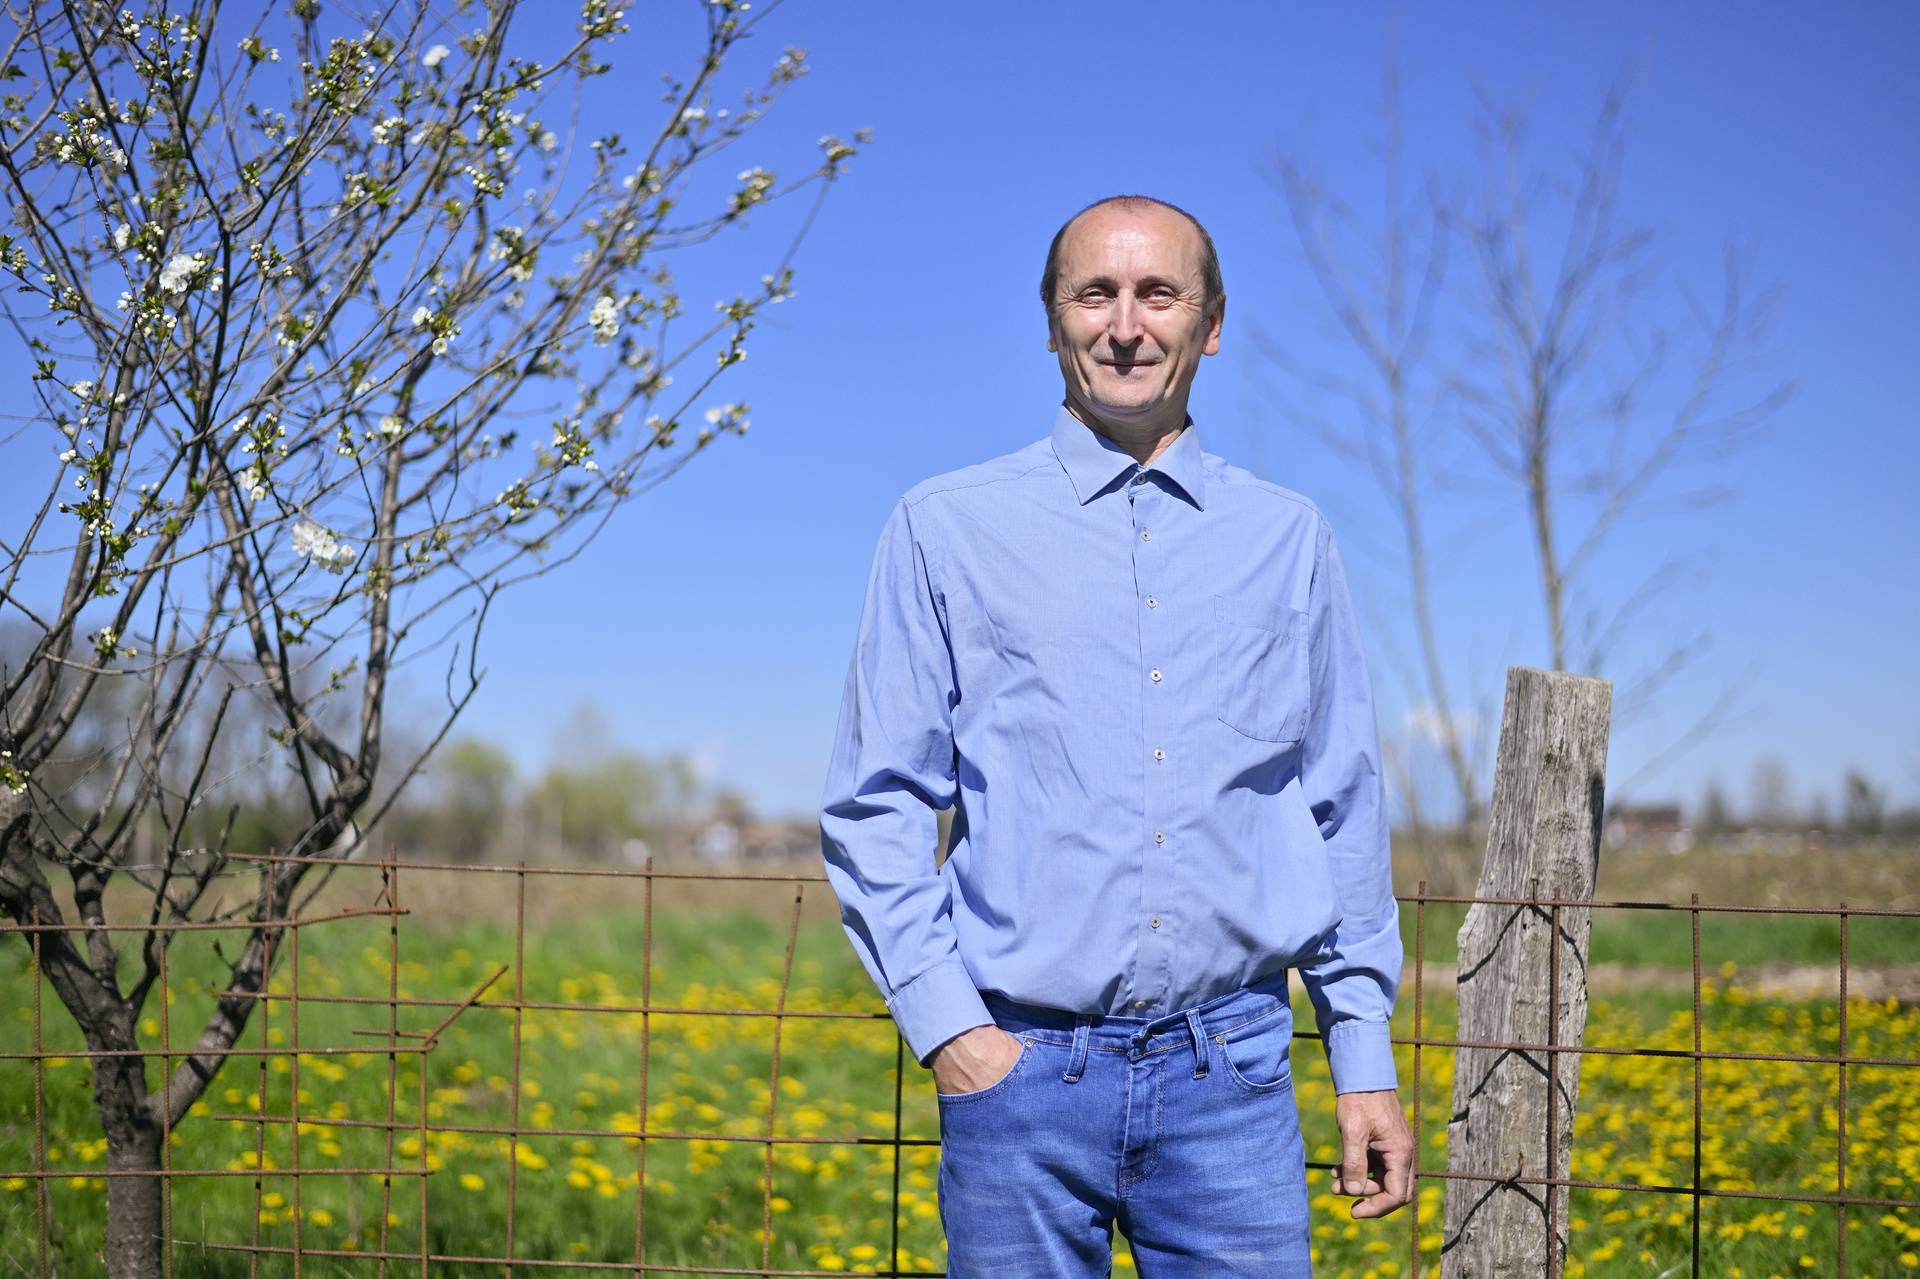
(1221, 1013)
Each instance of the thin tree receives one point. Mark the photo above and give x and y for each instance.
(1583, 396)
(332, 347)
(1561, 382)
(1383, 286)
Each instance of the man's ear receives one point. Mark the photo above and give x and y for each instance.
(1214, 326)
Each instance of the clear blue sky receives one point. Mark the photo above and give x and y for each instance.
(716, 613)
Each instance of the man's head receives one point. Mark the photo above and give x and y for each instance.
(1134, 299)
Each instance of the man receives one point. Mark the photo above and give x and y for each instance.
(1134, 671)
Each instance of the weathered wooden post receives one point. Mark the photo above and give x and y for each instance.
(1522, 979)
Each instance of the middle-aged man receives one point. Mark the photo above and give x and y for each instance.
(1134, 671)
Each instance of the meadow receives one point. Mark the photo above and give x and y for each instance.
(850, 1152)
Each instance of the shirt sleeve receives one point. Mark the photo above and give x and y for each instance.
(1356, 973)
(892, 767)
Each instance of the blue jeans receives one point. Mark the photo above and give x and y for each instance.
(1181, 1129)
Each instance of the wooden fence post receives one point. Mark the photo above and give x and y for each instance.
(1517, 986)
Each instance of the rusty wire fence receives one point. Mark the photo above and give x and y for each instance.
(306, 1026)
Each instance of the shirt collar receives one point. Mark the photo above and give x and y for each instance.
(1092, 461)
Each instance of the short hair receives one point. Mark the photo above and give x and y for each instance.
(1209, 256)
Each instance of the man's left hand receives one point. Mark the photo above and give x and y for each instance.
(1377, 1163)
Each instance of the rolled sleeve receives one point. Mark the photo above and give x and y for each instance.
(1353, 978)
(892, 768)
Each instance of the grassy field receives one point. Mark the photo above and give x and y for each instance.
(1767, 1126)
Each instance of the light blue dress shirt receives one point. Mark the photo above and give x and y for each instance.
(1143, 692)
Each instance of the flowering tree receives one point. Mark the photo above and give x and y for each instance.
(291, 294)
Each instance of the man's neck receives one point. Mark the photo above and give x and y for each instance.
(1145, 440)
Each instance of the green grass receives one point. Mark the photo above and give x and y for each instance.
(1664, 938)
(1770, 1127)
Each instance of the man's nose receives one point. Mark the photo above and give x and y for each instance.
(1123, 321)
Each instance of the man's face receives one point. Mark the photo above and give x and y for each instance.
(1130, 320)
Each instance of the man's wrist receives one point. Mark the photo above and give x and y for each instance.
(935, 1006)
(935, 1054)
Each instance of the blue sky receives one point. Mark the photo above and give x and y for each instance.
(715, 614)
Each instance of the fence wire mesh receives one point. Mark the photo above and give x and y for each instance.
(404, 1175)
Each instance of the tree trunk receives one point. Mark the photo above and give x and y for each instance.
(1543, 841)
(134, 1236)
(134, 1224)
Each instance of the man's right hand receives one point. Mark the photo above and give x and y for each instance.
(974, 1059)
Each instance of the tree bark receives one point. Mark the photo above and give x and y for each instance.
(134, 1224)
(134, 1236)
(1522, 979)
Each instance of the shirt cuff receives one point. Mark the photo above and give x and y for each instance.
(1360, 1055)
(936, 1006)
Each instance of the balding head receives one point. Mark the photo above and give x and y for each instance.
(1208, 257)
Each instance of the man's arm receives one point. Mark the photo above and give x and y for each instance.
(892, 768)
(1352, 983)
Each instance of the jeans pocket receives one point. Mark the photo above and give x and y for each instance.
(1026, 1051)
(1256, 1052)
(1260, 663)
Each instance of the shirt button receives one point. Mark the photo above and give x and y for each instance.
(1140, 478)
(1145, 536)
(1154, 920)
(1139, 1003)
(1159, 837)
(1152, 602)
(1156, 676)
(1159, 753)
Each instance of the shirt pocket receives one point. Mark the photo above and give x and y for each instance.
(1260, 668)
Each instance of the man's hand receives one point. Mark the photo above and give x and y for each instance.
(973, 1059)
(1377, 1161)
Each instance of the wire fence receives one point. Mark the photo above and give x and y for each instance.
(409, 1026)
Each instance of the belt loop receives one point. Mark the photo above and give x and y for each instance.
(1077, 1059)
(1199, 1044)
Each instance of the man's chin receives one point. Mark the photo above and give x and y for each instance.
(1136, 406)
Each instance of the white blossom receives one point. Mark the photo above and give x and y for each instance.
(82, 389)
(432, 57)
(728, 415)
(174, 275)
(253, 485)
(321, 546)
(605, 320)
